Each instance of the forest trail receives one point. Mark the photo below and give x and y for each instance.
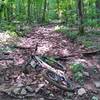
(51, 43)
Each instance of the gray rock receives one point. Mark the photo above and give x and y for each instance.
(97, 84)
(86, 74)
(39, 87)
(51, 94)
(66, 99)
(95, 98)
(29, 89)
(16, 91)
(41, 98)
(20, 85)
(69, 94)
(23, 91)
(81, 91)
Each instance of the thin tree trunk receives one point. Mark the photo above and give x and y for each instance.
(44, 11)
(28, 11)
(80, 14)
(98, 10)
(58, 11)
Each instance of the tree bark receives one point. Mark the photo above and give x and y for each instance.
(98, 10)
(44, 11)
(80, 14)
(28, 10)
(58, 8)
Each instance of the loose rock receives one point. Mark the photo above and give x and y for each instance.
(20, 85)
(23, 91)
(16, 91)
(97, 84)
(81, 91)
(95, 98)
(39, 87)
(86, 74)
(29, 89)
(41, 98)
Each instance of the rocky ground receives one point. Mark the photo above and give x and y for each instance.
(14, 84)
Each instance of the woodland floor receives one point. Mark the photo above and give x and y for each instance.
(50, 43)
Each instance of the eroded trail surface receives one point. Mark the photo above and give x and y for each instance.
(50, 43)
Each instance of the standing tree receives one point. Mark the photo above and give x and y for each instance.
(44, 11)
(98, 10)
(80, 14)
(28, 10)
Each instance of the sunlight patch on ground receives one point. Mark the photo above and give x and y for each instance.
(26, 42)
(65, 52)
(4, 36)
(44, 48)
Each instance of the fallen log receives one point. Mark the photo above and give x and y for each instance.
(85, 53)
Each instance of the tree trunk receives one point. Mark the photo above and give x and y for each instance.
(58, 10)
(28, 10)
(44, 11)
(80, 14)
(98, 10)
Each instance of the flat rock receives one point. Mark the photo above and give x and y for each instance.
(81, 91)
(16, 91)
(97, 84)
(86, 74)
(20, 85)
(29, 89)
(23, 91)
(41, 98)
(95, 98)
(39, 87)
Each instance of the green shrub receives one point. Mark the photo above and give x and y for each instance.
(65, 30)
(87, 43)
(77, 70)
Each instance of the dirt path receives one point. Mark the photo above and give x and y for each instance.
(49, 43)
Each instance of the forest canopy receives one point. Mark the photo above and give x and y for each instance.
(37, 11)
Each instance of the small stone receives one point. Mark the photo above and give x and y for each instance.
(16, 91)
(51, 94)
(29, 89)
(95, 98)
(41, 98)
(81, 91)
(6, 78)
(20, 85)
(97, 84)
(86, 74)
(39, 87)
(69, 94)
(23, 91)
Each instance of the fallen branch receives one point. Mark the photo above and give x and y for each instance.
(88, 53)
(6, 59)
(93, 52)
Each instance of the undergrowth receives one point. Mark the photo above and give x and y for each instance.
(15, 28)
(69, 34)
(77, 70)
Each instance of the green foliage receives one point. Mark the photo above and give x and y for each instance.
(34, 11)
(6, 49)
(65, 30)
(49, 60)
(77, 70)
(94, 98)
(79, 77)
(15, 28)
(87, 43)
(90, 40)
